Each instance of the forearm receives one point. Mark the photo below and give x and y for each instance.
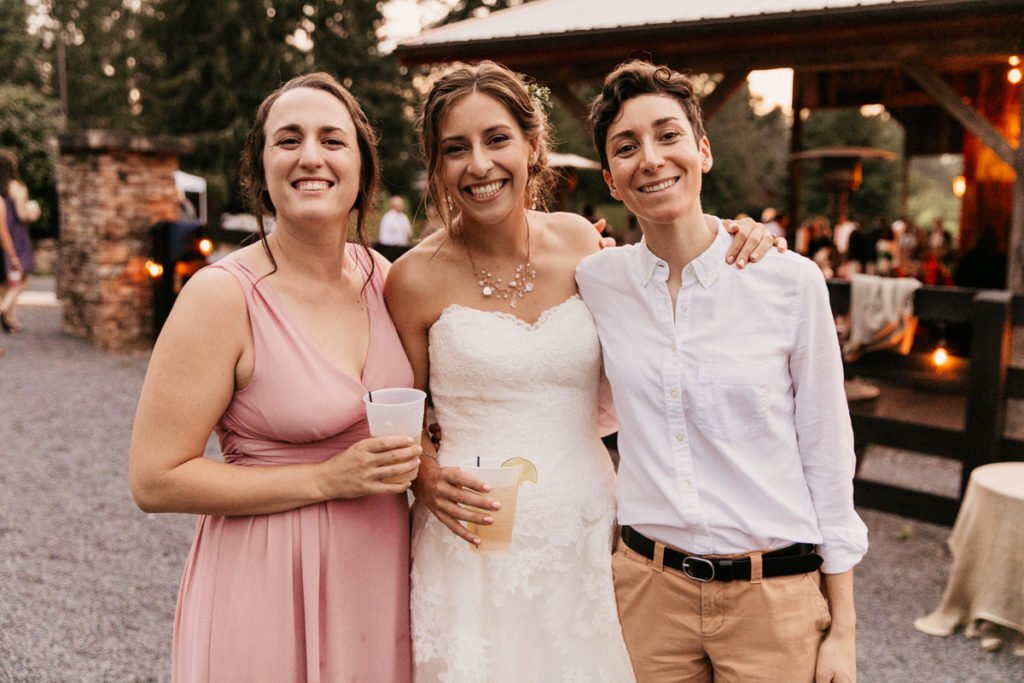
(838, 590)
(205, 486)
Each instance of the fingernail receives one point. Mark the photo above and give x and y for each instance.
(488, 520)
(741, 263)
(730, 259)
(487, 488)
(496, 505)
(753, 257)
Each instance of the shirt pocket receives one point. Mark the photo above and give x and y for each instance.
(732, 400)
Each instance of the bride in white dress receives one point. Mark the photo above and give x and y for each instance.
(513, 371)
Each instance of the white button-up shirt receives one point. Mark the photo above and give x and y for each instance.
(395, 229)
(734, 431)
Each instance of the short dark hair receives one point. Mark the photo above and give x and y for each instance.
(635, 78)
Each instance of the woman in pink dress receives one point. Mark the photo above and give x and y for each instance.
(299, 569)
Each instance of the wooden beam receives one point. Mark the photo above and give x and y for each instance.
(730, 83)
(953, 103)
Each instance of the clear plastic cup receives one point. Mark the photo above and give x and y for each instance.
(504, 481)
(395, 412)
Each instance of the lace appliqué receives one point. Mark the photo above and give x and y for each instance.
(507, 388)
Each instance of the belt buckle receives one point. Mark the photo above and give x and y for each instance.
(707, 571)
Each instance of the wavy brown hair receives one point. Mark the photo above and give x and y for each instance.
(510, 90)
(253, 175)
(8, 170)
(632, 79)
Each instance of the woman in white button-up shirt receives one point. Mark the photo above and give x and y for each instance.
(718, 458)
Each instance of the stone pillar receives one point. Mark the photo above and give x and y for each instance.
(113, 187)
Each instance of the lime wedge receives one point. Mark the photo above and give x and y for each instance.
(527, 472)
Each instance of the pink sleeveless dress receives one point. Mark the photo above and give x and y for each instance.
(319, 593)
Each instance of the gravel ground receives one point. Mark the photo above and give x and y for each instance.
(88, 582)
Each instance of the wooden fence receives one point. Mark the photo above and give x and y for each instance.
(957, 412)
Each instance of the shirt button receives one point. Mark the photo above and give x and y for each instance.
(673, 348)
(687, 484)
(674, 394)
(688, 269)
(684, 308)
(679, 438)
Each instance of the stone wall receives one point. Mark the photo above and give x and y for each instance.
(113, 187)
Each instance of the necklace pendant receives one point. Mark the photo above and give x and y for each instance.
(487, 290)
(528, 287)
(514, 302)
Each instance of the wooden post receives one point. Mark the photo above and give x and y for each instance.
(796, 145)
(986, 384)
(1015, 243)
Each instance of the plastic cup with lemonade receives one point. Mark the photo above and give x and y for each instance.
(504, 477)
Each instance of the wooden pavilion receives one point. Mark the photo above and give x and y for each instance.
(941, 67)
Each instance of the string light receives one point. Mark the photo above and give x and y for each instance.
(154, 269)
(940, 356)
(1014, 75)
(205, 246)
(959, 186)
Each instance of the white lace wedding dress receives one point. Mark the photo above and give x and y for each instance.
(545, 609)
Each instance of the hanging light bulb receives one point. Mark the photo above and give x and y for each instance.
(1014, 75)
(940, 356)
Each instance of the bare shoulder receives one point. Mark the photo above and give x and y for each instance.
(212, 294)
(418, 278)
(569, 232)
(17, 190)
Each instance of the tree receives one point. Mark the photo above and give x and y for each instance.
(209, 68)
(344, 36)
(213, 64)
(749, 152)
(101, 41)
(879, 190)
(28, 121)
(19, 50)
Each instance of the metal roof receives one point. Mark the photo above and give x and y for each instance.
(554, 17)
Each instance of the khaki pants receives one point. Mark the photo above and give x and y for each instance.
(678, 629)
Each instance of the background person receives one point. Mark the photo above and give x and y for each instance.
(395, 229)
(20, 211)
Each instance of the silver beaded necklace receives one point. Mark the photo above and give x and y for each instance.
(516, 288)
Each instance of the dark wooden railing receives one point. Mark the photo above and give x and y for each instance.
(958, 412)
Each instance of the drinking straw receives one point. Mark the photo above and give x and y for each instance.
(478, 461)
(369, 395)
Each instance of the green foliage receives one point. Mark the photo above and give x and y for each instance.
(749, 152)
(19, 50)
(102, 44)
(931, 194)
(212, 65)
(28, 122)
(879, 190)
(345, 43)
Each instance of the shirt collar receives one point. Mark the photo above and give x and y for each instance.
(707, 266)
